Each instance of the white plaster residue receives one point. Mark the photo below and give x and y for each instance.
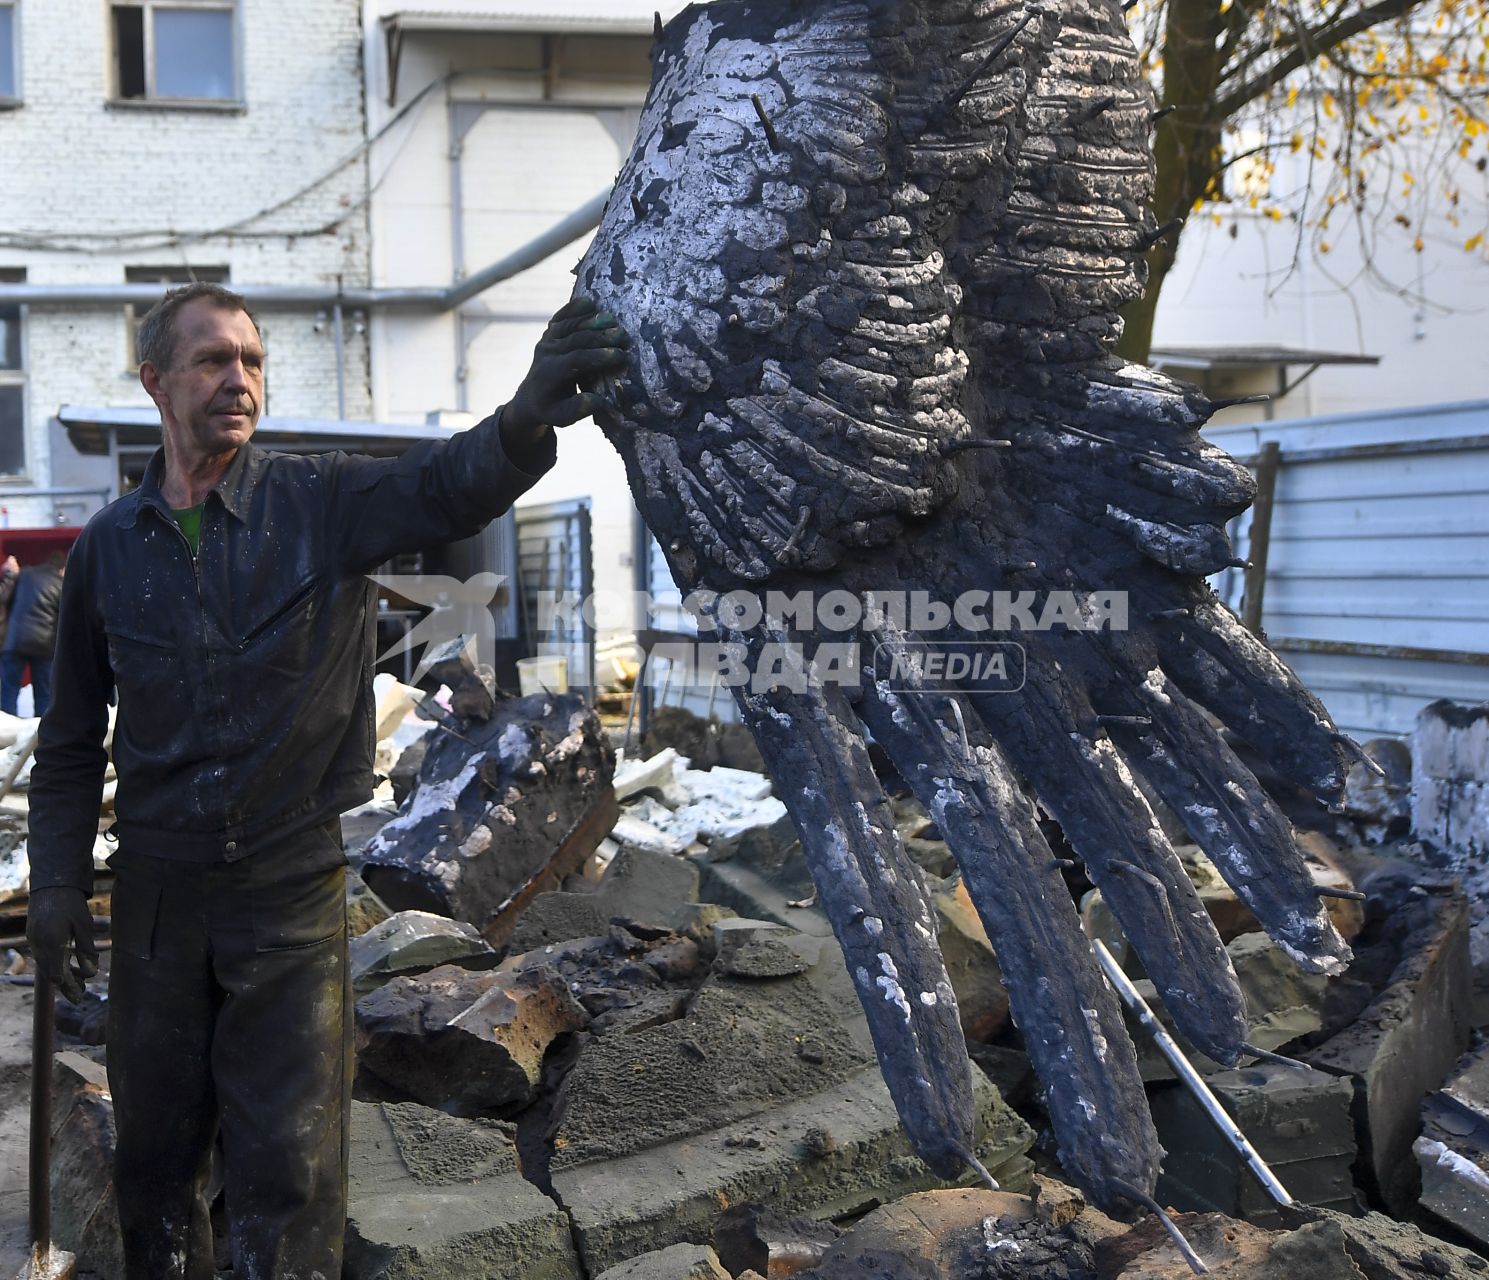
(1098, 1040)
(1236, 789)
(889, 983)
(1428, 1150)
(929, 999)
(514, 744)
(891, 699)
(476, 843)
(873, 926)
(1153, 686)
(427, 799)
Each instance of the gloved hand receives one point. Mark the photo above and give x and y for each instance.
(56, 917)
(579, 345)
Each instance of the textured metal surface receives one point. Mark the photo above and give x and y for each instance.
(871, 253)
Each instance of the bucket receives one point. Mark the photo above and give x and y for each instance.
(547, 673)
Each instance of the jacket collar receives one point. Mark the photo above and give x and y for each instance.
(234, 490)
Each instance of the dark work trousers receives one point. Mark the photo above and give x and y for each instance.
(230, 1008)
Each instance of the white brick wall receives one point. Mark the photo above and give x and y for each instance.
(75, 164)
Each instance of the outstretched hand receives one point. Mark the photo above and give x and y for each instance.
(580, 345)
(58, 922)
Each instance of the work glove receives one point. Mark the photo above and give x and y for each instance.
(56, 917)
(581, 345)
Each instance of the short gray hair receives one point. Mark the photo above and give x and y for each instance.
(156, 339)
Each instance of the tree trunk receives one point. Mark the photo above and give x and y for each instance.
(1186, 151)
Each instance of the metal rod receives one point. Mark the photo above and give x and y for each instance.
(1139, 1196)
(299, 298)
(1337, 453)
(41, 1119)
(1260, 540)
(1186, 1072)
(1352, 649)
(340, 332)
(636, 686)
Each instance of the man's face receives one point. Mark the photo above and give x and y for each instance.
(211, 396)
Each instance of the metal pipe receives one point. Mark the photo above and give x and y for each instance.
(1259, 541)
(1398, 652)
(562, 233)
(336, 325)
(1186, 1072)
(1353, 452)
(41, 1119)
(300, 298)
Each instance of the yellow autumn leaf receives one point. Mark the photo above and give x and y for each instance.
(1292, 95)
(1417, 244)
(1297, 142)
(1323, 246)
(1329, 105)
(1473, 242)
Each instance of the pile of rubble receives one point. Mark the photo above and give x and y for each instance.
(603, 1031)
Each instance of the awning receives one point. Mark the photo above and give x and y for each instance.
(520, 17)
(1259, 358)
(138, 426)
(1250, 357)
(572, 17)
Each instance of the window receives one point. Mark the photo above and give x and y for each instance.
(10, 63)
(159, 275)
(12, 381)
(175, 50)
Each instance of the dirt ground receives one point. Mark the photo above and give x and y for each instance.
(15, 1117)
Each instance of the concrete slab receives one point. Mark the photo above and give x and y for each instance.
(1299, 1121)
(644, 885)
(676, 1262)
(434, 1198)
(837, 1152)
(410, 941)
(1406, 1042)
(1453, 1150)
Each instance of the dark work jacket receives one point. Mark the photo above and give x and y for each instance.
(32, 629)
(244, 676)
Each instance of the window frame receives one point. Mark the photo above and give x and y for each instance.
(174, 277)
(150, 98)
(11, 100)
(19, 377)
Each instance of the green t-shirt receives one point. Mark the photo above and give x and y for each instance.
(190, 520)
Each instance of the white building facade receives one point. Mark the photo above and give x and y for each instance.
(493, 124)
(147, 142)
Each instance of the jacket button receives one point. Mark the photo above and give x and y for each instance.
(232, 848)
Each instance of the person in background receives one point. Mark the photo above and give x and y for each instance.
(9, 572)
(31, 633)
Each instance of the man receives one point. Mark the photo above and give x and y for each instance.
(31, 634)
(225, 600)
(9, 572)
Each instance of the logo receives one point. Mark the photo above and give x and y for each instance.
(458, 611)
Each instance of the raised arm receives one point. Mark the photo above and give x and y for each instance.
(441, 490)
